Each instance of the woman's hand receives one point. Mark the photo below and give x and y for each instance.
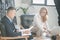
(49, 32)
(44, 28)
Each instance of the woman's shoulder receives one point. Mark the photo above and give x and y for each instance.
(37, 16)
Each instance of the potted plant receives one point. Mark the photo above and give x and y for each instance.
(24, 10)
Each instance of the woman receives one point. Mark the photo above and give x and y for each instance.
(40, 21)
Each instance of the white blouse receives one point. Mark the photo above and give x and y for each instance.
(38, 23)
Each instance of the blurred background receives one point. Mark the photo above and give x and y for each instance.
(33, 8)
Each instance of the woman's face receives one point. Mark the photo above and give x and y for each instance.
(43, 13)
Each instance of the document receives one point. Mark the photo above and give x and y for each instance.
(31, 27)
(26, 31)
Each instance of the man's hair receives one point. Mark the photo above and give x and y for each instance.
(10, 8)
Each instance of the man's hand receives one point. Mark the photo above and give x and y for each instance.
(17, 31)
(26, 32)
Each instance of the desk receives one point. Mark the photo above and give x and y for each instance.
(39, 38)
(11, 38)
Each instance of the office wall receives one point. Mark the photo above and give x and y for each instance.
(34, 9)
(17, 5)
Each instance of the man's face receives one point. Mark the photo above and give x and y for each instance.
(12, 13)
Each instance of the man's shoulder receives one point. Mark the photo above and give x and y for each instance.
(4, 19)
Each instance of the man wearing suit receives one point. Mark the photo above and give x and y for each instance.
(8, 23)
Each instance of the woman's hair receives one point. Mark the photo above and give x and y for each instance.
(45, 17)
(43, 8)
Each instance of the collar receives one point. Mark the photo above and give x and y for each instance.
(9, 18)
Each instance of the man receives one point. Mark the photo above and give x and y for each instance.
(8, 23)
(11, 31)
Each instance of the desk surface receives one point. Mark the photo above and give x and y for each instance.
(39, 38)
(14, 37)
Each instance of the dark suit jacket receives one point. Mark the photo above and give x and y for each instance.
(10, 28)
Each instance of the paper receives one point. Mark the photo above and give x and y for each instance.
(26, 31)
(30, 27)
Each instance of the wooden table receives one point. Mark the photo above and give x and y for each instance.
(12, 38)
(39, 38)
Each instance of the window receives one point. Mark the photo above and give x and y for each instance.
(50, 2)
(38, 2)
(45, 2)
